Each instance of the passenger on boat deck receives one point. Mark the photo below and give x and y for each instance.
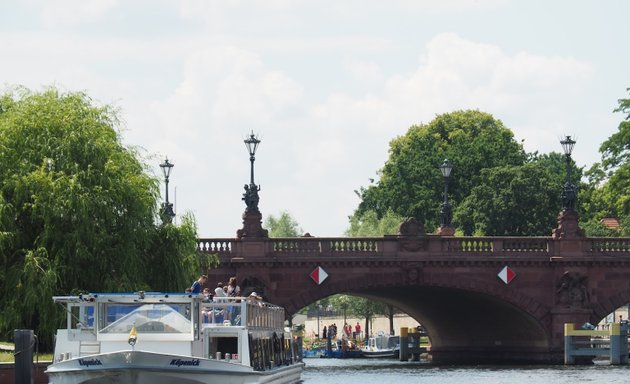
(207, 295)
(233, 288)
(218, 291)
(254, 298)
(196, 287)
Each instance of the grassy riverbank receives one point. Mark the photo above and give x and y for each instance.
(7, 350)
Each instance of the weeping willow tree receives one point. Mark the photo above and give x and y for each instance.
(78, 211)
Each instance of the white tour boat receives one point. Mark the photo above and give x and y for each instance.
(156, 338)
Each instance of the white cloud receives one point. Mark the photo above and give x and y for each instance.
(224, 88)
(324, 90)
(70, 12)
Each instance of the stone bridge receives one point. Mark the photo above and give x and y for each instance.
(451, 285)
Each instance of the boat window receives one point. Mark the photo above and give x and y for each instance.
(82, 316)
(223, 344)
(147, 318)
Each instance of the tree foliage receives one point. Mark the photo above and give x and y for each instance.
(607, 193)
(512, 200)
(360, 307)
(410, 182)
(283, 226)
(78, 210)
(614, 194)
(369, 224)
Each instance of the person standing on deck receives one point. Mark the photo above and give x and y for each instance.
(197, 286)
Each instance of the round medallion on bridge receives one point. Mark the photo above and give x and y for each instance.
(318, 275)
(507, 275)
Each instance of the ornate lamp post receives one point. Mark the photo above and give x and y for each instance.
(252, 144)
(252, 218)
(446, 213)
(568, 191)
(251, 192)
(568, 225)
(167, 208)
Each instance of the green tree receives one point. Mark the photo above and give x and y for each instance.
(614, 194)
(366, 309)
(172, 260)
(342, 302)
(283, 226)
(78, 210)
(607, 193)
(369, 224)
(507, 201)
(410, 182)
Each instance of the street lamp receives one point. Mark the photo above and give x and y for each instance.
(251, 191)
(569, 193)
(445, 208)
(252, 144)
(167, 208)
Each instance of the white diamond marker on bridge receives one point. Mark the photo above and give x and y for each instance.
(319, 275)
(507, 275)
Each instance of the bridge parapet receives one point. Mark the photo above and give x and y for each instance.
(327, 245)
(609, 244)
(497, 245)
(427, 246)
(217, 246)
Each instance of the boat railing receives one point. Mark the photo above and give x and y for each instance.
(242, 311)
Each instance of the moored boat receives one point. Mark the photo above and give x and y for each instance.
(384, 346)
(172, 338)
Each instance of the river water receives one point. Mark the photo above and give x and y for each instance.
(382, 371)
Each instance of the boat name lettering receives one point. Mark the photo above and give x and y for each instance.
(88, 362)
(180, 362)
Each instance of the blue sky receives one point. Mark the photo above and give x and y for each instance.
(326, 85)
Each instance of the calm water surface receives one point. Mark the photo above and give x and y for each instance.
(379, 371)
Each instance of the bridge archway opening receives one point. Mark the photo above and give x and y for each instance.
(614, 310)
(329, 310)
(466, 325)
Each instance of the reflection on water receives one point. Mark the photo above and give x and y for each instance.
(382, 371)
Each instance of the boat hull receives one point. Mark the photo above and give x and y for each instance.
(137, 367)
(381, 354)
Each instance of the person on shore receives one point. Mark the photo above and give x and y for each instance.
(347, 330)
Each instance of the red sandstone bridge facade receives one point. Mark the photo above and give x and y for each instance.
(449, 284)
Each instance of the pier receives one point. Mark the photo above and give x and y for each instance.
(582, 345)
(412, 344)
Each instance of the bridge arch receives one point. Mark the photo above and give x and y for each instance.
(460, 315)
(468, 319)
(611, 302)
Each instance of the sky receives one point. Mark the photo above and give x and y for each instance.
(326, 85)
